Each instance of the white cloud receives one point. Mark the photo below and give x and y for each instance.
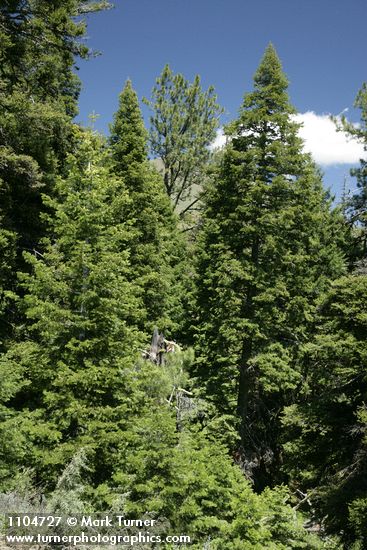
(219, 141)
(326, 145)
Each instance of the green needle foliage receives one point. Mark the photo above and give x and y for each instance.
(188, 482)
(326, 432)
(39, 40)
(91, 259)
(267, 249)
(38, 91)
(156, 248)
(183, 125)
(356, 206)
(68, 377)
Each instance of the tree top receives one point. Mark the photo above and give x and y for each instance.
(270, 70)
(128, 133)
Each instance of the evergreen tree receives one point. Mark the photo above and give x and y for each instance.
(38, 91)
(186, 480)
(183, 125)
(156, 249)
(357, 206)
(69, 381)
(267, 248)
(39, 41)
(326, 432)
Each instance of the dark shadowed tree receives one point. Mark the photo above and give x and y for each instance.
(326, 432)
(356, 206)
(39, 42)
(267, 248)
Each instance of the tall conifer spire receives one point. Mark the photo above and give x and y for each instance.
(266, 250)
(269, 76)
(128, 133)
(82, 309)
(155, 249)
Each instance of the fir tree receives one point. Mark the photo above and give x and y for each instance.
(267, 248)
(156, 249)
(39, 41)
(187, 481)
(326, 432)
(68, 376)
(356, 206)
(39, 90)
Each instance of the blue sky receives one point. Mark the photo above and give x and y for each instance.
(321, 43)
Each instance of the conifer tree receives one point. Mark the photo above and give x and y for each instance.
(183, 125)
(267, 248)
(356, 206)
(68, 376)
(39, 90)
(156, 249)
(188, 482)
(39, 41)
(325, 439)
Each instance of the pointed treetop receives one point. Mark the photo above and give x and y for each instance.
(93, 117)
(128, 133)
(270, 70)
(270, 88)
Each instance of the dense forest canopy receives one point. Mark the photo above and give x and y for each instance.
(242, 423)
